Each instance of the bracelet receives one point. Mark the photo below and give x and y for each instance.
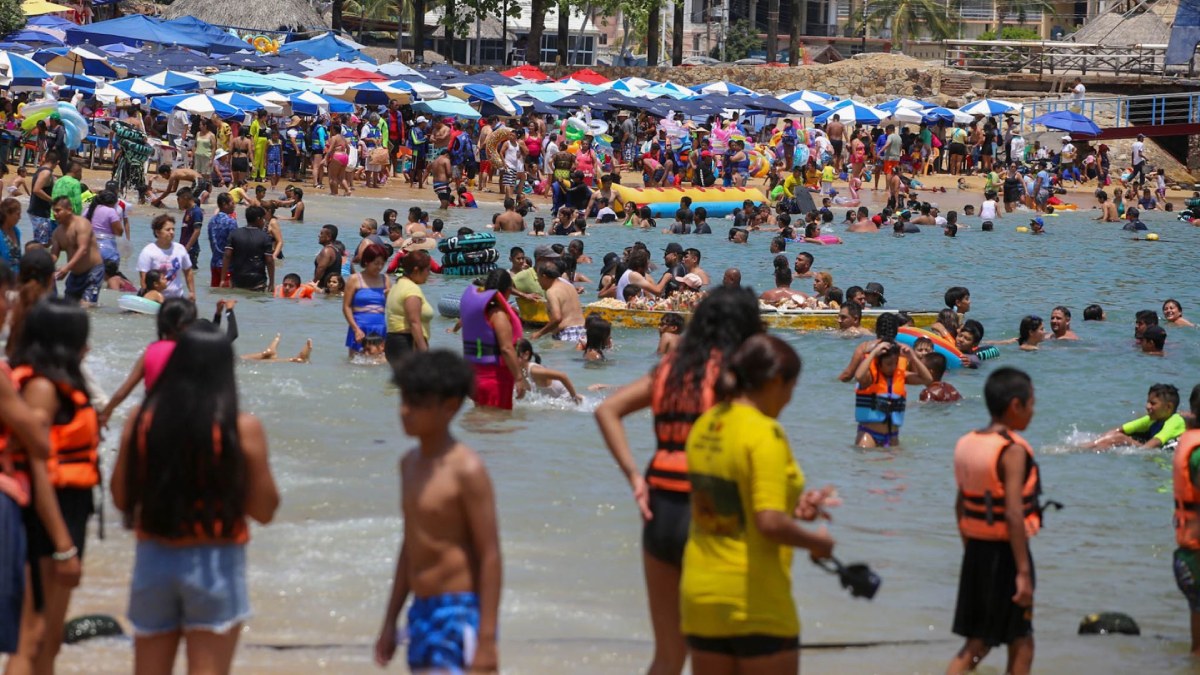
(65, 555)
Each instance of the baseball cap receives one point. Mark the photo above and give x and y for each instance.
(421, 120)
(545, 251)
(1038, 220)
(877, 219)
(875, 288)
(674, 247)
(691, 280)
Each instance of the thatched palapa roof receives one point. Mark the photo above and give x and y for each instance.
(271, 15)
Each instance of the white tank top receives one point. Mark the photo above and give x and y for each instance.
(988, 210)
(512, 156)
(621, 284)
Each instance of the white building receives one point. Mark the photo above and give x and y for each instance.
(499, 41)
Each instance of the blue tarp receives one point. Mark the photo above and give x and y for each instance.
(326, 47)
(219, 41)
(132, 30)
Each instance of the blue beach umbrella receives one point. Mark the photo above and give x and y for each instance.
(21, 72)
(447, 107)
(851, 112)
(172, 79)
(492, 102)
(197, 104)
(990, 107)
(726, 88)
(370, 93)
(910, 103)
(247, 103)
(808, 96)
(671, 90)
(135, 87)
(312, 103)
(1068, 121)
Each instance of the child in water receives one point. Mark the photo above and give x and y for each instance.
(271, 353)
(449, 557)
(938, 391)
(155, 285)
(1161, 425)
(880, 395)
(670, 331)
(996, 474)
(599, 338)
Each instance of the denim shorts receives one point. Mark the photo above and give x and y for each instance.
(185, 588)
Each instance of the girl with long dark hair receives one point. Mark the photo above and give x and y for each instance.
(189, 473)
(23, 485)
(46, 369)
(678, 391)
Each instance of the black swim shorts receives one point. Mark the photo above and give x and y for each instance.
(665, 535)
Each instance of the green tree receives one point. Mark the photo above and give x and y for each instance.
(635, 15)
(739, 41)
(1022, 9)
(910, 19)
(1012, 33)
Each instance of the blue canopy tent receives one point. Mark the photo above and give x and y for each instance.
(489, 77)
(312, 103)
(443, 107)
(327, 46)
(33, 37)
(179, 59)
(245, 61)
(134, 29)
(220, 42)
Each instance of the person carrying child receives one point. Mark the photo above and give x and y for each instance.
(998, 512)
(449, 556)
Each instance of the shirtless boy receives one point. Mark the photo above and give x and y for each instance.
(84, 271)
(562, 305)
(450, 554)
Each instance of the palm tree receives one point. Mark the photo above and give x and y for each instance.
(773, 30)
(909, 19)
(677, 34)
(564, 32)
(653, 31)
(794, 35)
(1021, 8)
(418, 30)
(537, 26)
(335, 14)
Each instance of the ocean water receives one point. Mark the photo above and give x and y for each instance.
(574, 599)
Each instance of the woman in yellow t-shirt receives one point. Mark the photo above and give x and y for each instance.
(736, 592)
(409, 314)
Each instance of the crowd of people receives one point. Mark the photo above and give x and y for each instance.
(723, 500)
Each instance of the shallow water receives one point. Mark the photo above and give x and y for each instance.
(574, 598)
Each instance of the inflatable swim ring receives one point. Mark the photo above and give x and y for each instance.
(480, 257)
(477, 241)
(1063, 207)
(468, 270)
(1022, 228)
(663, 202)
(909, 336)
(138, 304)
(492, 145)
(448, 306)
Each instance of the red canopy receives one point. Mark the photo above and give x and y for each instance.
(527, 72)
(342, 75)
(587, 76)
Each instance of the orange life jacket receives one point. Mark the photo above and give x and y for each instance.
(1187, 496)
(74, 446)
(302, 292)
(676, 407)
(884, 400)
(14, 482)
(976, 468)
